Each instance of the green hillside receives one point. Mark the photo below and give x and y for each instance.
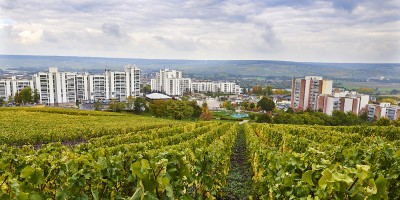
(51, 153)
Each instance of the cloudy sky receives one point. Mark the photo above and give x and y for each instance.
(293, 30)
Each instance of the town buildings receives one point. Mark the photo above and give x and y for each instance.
(305, 91)
(376, 111)
(57, 87)
(10, 86)
(342, 101)
(172, 83)
(312, 92)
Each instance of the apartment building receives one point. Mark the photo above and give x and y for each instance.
(56, 87)
(82, 86)
(393, 112)
(305, 91)
(98, 87)
(164, 81)
(204, 86)
(172, 83)
(213, 86)
(342, 101)
(376, 111)
(10, 86)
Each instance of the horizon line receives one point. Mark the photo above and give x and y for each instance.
(198, 59)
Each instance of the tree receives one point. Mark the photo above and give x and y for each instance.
(140, 105)
(364, 114)
(206, 115)
(17, 98)
(227, 105)
(266, 104)
(245, 105)
(365, 90)
(130, 103)
(281, 92)
(98, 105)
(179, 110)
(383, 121)
(158, 108)
(36, 96)
(340, 118)
(267, 91)
(116, 106)
(290, 110)
(394, 91)
(26, 95)
(112, 105)
(264, 118)
(196, 109)
(1, 101)
(396, 122)
(389, 100)
(257, 89)
(252, 105)
(10, 99)
(244, 90)
(146, 89)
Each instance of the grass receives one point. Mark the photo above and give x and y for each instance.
(382, 87)
(239, 181)
(225, 115)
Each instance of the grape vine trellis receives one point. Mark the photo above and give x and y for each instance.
(125, 157)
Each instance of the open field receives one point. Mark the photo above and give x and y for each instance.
(71, 154)
(382, 87)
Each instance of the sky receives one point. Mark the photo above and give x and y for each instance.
(366, 31)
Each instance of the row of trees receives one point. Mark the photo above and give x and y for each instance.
(309, 117)
(265, 104)
(338, 118)
(179, 110)
(137, 105)
(23, 97)
(264, 91)
(173, 109)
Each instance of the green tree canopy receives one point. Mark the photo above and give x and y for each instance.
(26, 95)
(266, 104)
(171, 109)
(36, 96)
(146, 89)
(196, 109)
(383, 121)
(130, 103)
(97, 105)
(140, 105)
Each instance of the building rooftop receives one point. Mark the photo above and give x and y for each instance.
(156, 96)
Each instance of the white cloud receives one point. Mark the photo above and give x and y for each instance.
(306, 30)
(28, 37)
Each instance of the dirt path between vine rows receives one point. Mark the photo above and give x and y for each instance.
(239, 177)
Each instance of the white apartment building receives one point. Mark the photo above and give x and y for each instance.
(393, 112)
(82, 86)
(204, 86)
(98, 87)
(212, 86)
(376, 111)
(342, 101)
(162, 81)
(56, 87)
(10, 86)
(172, 83)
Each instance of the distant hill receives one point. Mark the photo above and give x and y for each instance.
(206, 67)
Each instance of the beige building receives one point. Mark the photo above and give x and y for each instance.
(376, 111)
(305, 91)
